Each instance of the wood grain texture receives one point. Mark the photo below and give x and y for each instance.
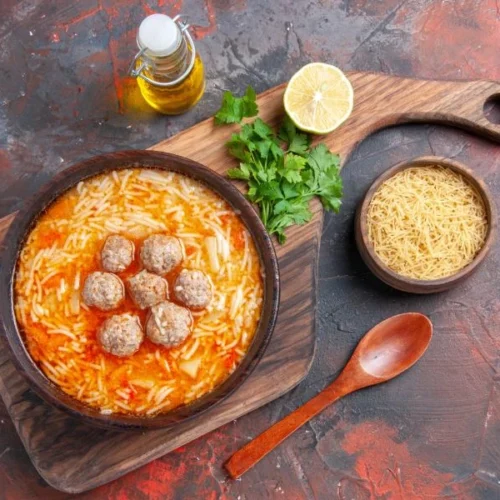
(73, 457)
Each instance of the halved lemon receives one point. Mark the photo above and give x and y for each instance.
(319, 98)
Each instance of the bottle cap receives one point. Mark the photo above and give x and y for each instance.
(159, 35)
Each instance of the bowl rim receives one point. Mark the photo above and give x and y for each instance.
(378, 266)
(25, 220)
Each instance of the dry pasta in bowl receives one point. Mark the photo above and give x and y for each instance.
(425, 225)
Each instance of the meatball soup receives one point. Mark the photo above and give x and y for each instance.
(138, 290)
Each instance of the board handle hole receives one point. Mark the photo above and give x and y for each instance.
(491, 109)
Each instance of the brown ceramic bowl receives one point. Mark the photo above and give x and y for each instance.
(413, 285)
(24, 221)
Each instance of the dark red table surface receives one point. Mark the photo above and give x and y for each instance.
(435, 431)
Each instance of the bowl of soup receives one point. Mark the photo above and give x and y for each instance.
(140, 289)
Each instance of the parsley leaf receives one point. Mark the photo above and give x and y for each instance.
(327, 182)
(234, 109)
(296, 142)
(292, 166)
(262, 129)
(242, 173)
(282, 172)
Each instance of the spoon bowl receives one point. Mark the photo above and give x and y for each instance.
(394, 345)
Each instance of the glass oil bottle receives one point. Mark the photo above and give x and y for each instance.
(168, 69)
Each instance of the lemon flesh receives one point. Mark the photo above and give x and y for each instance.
(319, 98)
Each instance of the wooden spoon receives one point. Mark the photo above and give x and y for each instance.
(388, 349)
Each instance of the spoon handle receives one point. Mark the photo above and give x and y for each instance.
(258, 448)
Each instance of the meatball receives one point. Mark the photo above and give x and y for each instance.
(147, 289)
(121, 335)
(168, 324)
(103, 290)
(160, 254)
(193, 288)
(117, 254)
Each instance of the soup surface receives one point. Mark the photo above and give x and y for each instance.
(63, 249)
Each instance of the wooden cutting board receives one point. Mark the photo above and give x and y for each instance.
(73, 457)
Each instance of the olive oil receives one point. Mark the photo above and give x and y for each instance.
(169, 72)
(178, 98)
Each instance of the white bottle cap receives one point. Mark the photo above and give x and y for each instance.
(159, 34)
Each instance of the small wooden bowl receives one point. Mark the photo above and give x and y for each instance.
(402, 282)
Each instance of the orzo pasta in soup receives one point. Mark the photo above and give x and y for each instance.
(75, 343)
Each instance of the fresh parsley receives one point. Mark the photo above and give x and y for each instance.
(282, 172)
(234, 109)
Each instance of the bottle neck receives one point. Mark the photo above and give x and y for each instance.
(171, 67)
(165, 71)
